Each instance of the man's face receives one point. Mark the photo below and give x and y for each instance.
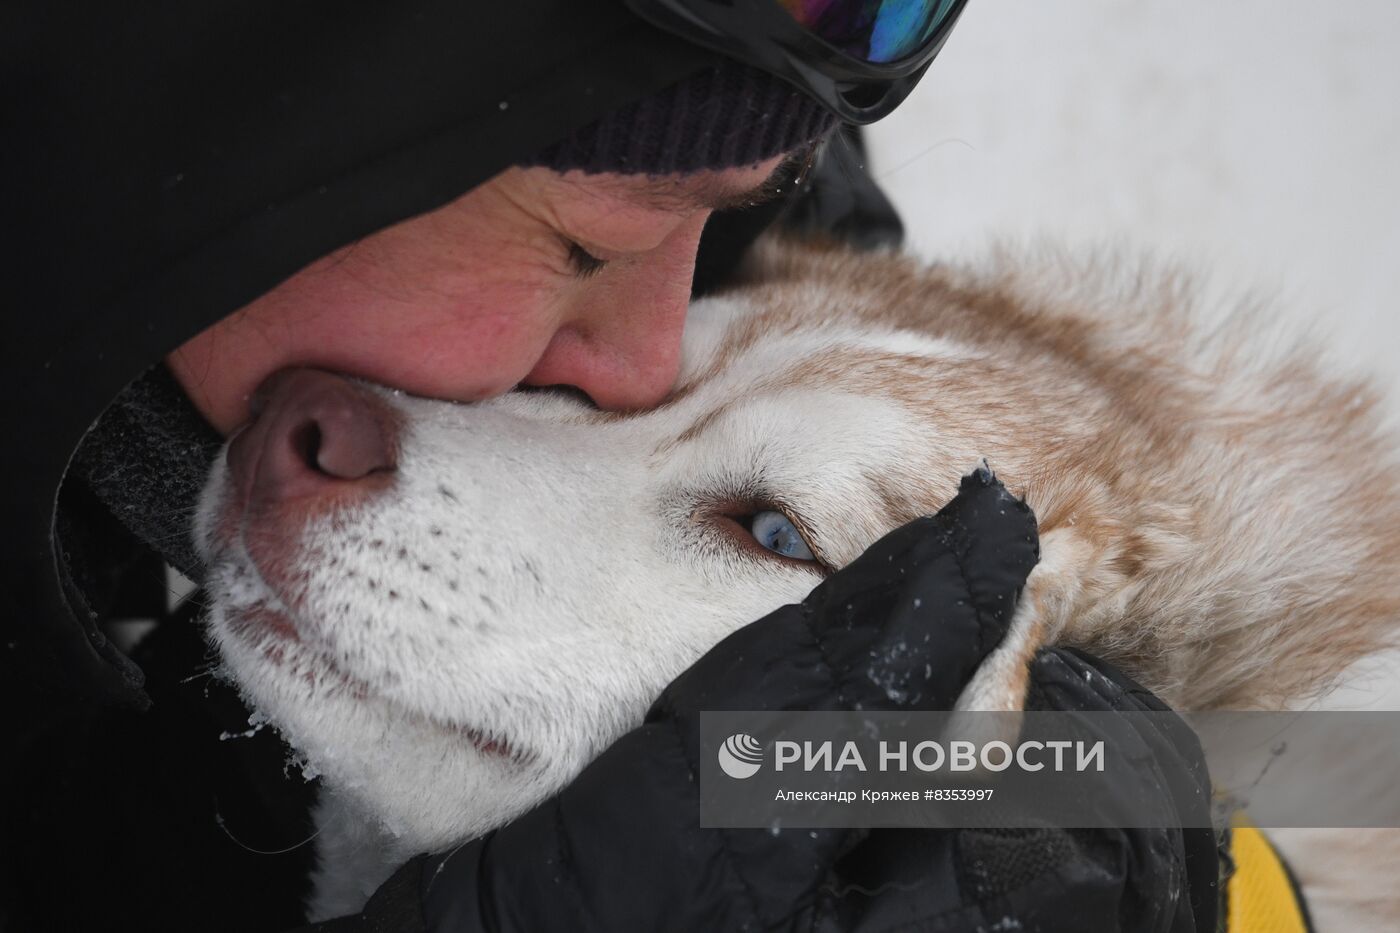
(534, 277)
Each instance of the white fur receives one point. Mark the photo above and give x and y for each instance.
(583, 586)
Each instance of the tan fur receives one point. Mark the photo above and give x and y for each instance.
(1222, 522)
(1219, 515)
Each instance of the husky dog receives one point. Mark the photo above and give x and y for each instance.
(450, 627)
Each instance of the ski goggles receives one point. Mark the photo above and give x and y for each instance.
(860, 58)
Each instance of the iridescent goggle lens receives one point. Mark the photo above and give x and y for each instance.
(876, 31)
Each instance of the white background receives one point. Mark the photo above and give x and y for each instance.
(1256, 139)
(1260, 138)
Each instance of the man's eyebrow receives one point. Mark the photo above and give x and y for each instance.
(716, 194)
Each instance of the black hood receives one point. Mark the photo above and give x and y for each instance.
(168, 163)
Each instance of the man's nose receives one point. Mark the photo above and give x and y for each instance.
(621, 339)
(313, 434)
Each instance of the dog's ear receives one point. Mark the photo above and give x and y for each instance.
(1053, 593)
(999, 686)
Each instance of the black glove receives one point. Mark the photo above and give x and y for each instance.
(621, 849)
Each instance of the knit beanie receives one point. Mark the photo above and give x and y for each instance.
(727, 115)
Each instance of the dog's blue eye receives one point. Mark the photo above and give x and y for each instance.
(777, 533)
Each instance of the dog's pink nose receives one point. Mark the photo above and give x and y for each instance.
(313, 433)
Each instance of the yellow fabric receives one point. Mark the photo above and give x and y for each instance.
(1261, 899)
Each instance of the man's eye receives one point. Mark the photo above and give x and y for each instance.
(585, 263)
(776, 532)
